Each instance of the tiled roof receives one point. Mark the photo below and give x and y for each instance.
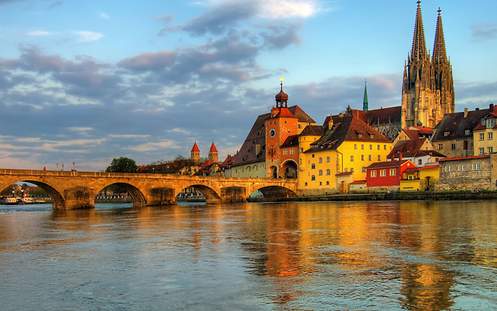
(346, 127)
(407, 148)
(312, 130)
(195, 148)
(465, 158)
(384, 115)
(388, 164)
(291, 141)
(257, 136)
(454, 125)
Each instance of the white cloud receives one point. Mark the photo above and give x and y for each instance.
(276, 9)
(77, 129)
(160, 145)
(39, 33)
(88, 36)
(103, 15)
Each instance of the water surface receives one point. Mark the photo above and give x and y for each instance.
(297, 256)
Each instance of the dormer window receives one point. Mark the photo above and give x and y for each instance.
(446, 133)
(359, 135)
(371, 136)
(490, 123)
(467, 132)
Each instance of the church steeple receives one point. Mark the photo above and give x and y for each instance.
(365, 104)
(418, 50)
(439, 51)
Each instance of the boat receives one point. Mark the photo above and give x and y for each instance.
(9, 201)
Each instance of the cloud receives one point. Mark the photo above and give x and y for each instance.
(104, 15)
(88, 36)
(484, 32)
(39, 33)
(153, 146)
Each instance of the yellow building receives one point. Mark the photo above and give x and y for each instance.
(420, 178)
(485, 133)
(329, 163)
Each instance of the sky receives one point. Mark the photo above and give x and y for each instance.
(86, 81)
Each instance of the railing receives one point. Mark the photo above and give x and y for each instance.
(132, 175)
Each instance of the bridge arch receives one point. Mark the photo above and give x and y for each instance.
(210, 195)
(137, 196)
(58, 201)
(272, 193)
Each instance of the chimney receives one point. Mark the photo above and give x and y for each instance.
(492, 108)
(466, 112)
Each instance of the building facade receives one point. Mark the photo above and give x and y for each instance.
(386, 175)
(484, 134)
(428, 87)
(471, 173)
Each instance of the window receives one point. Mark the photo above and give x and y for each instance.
(482, 151)
(313, 166)
(393, 172)
(362, 146)
(490, 135)
(328, 172)
(383, 173)
(467, 132)
(370, 158)
(446, 133)
(453, 146)
(313, 156)
(313, 178)
(328, 159)
(420, 162)
(490, 123)
(320, 172)
(465, 145)
(482, 136)
(477, 166)
(272, 132)
(490, 149)
(355, 146)
(351, 158)
(320, 183)
(373, 173)
(306, 184)
(327, 183)
(379, 157)
(320, 160)
(384, 147)
(362, 157)
(377, 147)
(370, 147)
(440, 146)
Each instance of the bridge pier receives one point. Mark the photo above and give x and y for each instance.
(233, 195)
(78, 198)
(161, 196)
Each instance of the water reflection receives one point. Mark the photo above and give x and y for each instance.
(396, 255)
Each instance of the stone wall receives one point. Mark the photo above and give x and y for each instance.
(468, 174)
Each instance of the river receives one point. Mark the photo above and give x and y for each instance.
(297, 256)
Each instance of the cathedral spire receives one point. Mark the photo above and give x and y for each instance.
(418, 50)
(439, 51)
(365, 104)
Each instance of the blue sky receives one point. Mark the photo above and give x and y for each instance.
(84, 81)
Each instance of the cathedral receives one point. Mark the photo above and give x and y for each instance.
(428, 87)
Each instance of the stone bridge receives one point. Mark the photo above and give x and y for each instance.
(76, 190)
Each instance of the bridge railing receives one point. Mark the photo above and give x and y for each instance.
(27, 172)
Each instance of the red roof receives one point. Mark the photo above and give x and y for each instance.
(464, 158)
(213, 148)
(388, 164)
(195, 148)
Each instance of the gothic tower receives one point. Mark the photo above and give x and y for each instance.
(365, 103)
(444, 84)
(213, 154)
(195, 154)
(427, 89)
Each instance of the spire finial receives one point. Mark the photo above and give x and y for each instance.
(439, 11)
(365, 102)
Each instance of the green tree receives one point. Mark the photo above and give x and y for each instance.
(122, 165)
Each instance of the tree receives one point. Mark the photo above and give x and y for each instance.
(122, 165)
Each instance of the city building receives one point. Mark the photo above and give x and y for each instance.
(453, 136)
(472, 173)
(420, 178)
(428, 86)
(386, 175)
(339, 157)
(484, 134)
(270, 147)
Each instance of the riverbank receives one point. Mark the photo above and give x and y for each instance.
(395, 196)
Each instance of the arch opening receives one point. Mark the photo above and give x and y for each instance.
(271, 194)
(274, 172)
(198, 194)
(31, 192)
(121, 193)
(290, 169)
